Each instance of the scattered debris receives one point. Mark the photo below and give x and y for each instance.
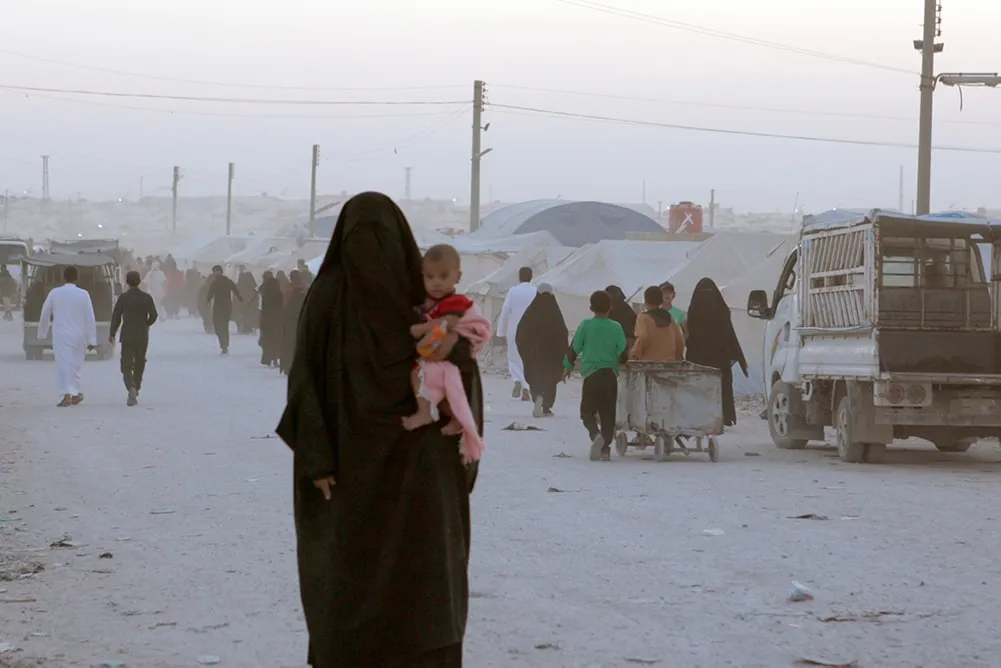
(111, 664)
(210, 627)
(18, 600)
(547, 645)
(65, 542)
(161, 512)
(810, 661)
(865, 617)
(161, 625)
(562, 455)
(517, 426)
(106, 555)
(713, 532)
(209, 660)
(262, 438)
(644, 662)
(7, 647)
(851, 517)
(809, 516)
(252, 480)
(751, 454)
(800, 593)
(554, 490)
(38, 634)
(16, 568)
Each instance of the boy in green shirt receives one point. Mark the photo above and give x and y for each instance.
(679, 316)
(598, 343)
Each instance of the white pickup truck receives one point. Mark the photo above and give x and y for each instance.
(884, 326)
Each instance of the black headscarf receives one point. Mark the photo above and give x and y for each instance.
(383, 564)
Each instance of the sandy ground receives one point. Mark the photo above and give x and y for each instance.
(575, 564)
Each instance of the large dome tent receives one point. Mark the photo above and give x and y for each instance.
(571, 223)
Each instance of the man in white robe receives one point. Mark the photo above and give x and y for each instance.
(74, 332)
(518, 299)
(156, 286)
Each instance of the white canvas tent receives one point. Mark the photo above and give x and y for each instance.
(256, 253)
(632, 265)
(489, 292)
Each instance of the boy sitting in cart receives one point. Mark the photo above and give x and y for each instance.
(598, 343)
(658, 337)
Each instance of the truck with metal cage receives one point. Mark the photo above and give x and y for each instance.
(885, 326)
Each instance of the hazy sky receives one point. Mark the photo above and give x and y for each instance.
(101, 146)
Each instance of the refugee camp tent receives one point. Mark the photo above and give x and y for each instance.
(632, 265)
(571, 223)
(489, 292)
(219, 250)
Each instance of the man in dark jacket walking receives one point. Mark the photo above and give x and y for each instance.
(134, 312)
(220, 298)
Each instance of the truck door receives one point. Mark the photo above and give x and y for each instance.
(781, 339)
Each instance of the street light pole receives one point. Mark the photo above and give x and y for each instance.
(928, 49)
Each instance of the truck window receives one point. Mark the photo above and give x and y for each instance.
(934, 264)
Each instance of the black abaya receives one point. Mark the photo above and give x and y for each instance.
(383, 564)
(623, 314)
(542, 340)
(290, 324)
(712, 341)
(272, 319)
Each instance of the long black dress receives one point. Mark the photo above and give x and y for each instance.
(623, 314)
(272, 320)
(383, 565)
(542, 340)
(290, 327)
(712, 341)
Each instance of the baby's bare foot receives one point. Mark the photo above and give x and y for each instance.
(416, 421)
(453, 428)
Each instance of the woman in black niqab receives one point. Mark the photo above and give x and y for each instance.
(623, 314)
(542, 341)
(712, 341)
(272, 319)
(382, 563)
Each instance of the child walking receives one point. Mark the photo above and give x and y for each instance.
(598, 343)
(438, 385)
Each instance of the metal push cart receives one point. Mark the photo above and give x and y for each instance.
(664, 402)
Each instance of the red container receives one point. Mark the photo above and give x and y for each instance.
(685, 218)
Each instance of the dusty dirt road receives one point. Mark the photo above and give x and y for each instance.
(575, 564)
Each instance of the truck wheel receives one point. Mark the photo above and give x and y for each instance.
(962, 445)
(849, 450)
(781, 418)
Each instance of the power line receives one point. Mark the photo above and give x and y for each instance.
(228, 100)
(737, 107)
(223, 114)
(711, 32)
(727, 131)
(218, 84)
(406, 142)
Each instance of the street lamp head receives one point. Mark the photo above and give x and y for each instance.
(989, 79)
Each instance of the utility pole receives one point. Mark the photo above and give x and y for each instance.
(140, 187)
(312, 191)
(479, 99)
(712, 210)
(45, 178)
(644, 191)
(900, 199)
(928, 49)
(6, 211)
(229, 198)
(173, 194)
(406, 183)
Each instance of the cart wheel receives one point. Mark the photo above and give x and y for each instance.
(621, 444)
(713, 450)
(660, 449)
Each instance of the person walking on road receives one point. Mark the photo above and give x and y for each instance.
(542, 343)
(220, 299)
(517, 301)
(381, 513)
(599, 343)
(135, 313)
(74, 332)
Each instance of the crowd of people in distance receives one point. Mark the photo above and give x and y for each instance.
(269, 309)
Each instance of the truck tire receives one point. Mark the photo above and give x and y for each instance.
(849, 450)
(781, 419)
(961, 445)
